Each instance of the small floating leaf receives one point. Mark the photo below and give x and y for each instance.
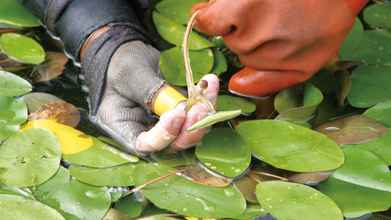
(12, 85)
(214, 119)
(14, 14)
(378, 15)
(381, 113)
(231, 103)
(177, 10)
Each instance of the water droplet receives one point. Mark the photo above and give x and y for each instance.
(229, 193)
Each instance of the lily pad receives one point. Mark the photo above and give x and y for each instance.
(173, 66)
(13, 190)
(61, 112)
(353, 130)
(223, 151)
(52, 68)
(291, 147)
(177, 10)
(36, 100)
(253, 212)
(16, 208)
(220, 63)
(381, 113)
(174, 32)
(74, 200)
(365, 169)
(29, 158)
(13, 112)
(231, 103)
(355, 200)
(352, 41)
(115, 176)
(12, 85)
(181, 158)
(378, 15)
(131, 206)
(370, 86)
(311, 179)
(179, 195)
(287, 201)
(247, 187)
(21, 48)
(14, 14)
(198, 174)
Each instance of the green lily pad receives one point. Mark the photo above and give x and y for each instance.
(352, 41)
(380, 147)
(355, 200)
(381, 113)
(297, 104)
(115, 176)
(184, 197)
(223, 151)
(173, 66)
(14, 14)
(13, 112)
(378, 15)
(100, 155)
(370, 86)
(174, 33)
(177, 10)
(287, 201)
(181, 158)
(74, 200)
(13, 190)
(291, 147)
(16, 208)
(130, 205)
(252, 212)
(13, 85)
(365, 169)
(29, 158)
(230, 103)
(220, 63)
(21, 48)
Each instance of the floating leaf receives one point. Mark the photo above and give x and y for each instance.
(181, 158)
(223, 151)
(220, 63)
(247, 187)
(198, 174)
(355, 200)
(378, 15)
(291, 147)
(21, 48)
(174, 32)
(381, 113)
(61, 112)
(311, 179)
(184, 197)
(214, 119)
(173, 66)
(29, 158)
(231, 103)
(287, 201)
(74, 200)
(12, 85)
(17, 208)
(353, 130)
(131, 206)
(115, 176)
(114, 214)
(177, 10)
(52, 68)
(370, 86)
(13, 112)
(365, 169)
(12, 13)
(352, 41)
(253, 212)
(13, 190)
(298, 109)
(36, 100)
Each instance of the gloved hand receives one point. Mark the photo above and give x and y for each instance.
(133, 84)
(281, 43)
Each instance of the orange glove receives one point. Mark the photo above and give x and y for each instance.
(281, 43)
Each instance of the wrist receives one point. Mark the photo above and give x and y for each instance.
(166, 99)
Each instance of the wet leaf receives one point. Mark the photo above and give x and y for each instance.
(290, 147)
(311, 179)
(214, 119)
(365, 169)
(378, 15)
(12, 85)
(353, 130)
(199, 175)
(173, 67)
(231, 103)
(220, 63)
(380, 147)
(115, 176)
(36, 100)
(298, 106)
(29, 158)
(16, 208)
(114, 214)
(222, 150)
(74, 200)
(12, 13)
(247, 187)
(355, 200)
(13, 112)
(381, 113)
(181, 158)
(52, 68)
(352, 41)
(287, 201)
(177, 10)
(61, 112)
(131, 206)
(13, 190)
(184, 197)
(21, 48)
(370, 86)
(174, 32)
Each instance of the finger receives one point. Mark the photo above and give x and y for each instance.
(163, 133)
(187, 139)
(213, 87)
